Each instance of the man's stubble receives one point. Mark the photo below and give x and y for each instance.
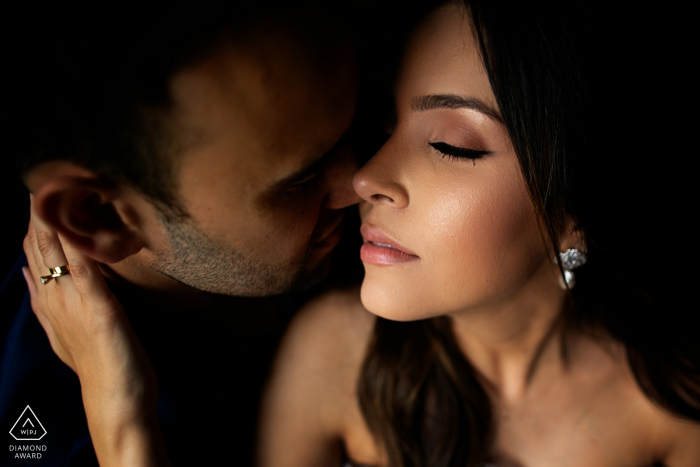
(197, 260)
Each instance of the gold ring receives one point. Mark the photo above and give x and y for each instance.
(55, 272)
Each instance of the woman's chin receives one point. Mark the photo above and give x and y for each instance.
(392, 303)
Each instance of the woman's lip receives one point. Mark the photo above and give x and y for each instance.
(373, 253)
(378, 238)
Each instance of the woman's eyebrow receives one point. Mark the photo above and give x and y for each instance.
(453, 101)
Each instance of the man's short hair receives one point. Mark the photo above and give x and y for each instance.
(93, 89)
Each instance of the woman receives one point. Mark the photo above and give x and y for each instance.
(488, 346)
(465, 207)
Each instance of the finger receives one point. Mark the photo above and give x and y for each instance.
(43, 320)
(31, 285)
(28, 246)
(33, 294)
(47, 242)
(37, 291)
(87, 277)
(36, 267)
(34, 259)
(36, 262)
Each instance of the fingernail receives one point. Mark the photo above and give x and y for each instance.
(25, 273)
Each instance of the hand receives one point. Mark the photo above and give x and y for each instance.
(89, 331)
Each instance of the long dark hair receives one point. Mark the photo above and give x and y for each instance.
(562, 80)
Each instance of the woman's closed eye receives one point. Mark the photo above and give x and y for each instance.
(457, 153)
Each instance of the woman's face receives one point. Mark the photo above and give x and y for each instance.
(446, 190)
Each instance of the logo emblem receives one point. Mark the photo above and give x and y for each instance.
(27, 427)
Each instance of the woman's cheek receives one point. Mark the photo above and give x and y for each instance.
(476, 235)
(481, 245)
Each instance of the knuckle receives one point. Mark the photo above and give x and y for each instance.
(79, 271)
(45, 242)
(30, 233)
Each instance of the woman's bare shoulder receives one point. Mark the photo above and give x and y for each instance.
(678, 437)
(312, 383)
(329, 336)
(335, 321)
(329, 332)
(674, 440)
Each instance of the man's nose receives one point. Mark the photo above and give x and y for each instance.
(341, 193)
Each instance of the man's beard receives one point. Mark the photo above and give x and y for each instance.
(197, 260)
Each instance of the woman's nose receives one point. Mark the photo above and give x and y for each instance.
(377, 181)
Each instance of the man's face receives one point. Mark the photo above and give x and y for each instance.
(265, 169)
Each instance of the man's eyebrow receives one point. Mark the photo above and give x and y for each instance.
(453, 101)
(312, 168)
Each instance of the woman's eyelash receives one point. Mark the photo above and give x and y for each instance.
(454, 152)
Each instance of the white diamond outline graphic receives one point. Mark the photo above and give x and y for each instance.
(20, 418)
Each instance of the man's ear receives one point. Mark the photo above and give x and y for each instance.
(96, 217)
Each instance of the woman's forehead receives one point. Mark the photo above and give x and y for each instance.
(443, 57)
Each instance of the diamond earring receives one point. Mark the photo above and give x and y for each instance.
(570, 260)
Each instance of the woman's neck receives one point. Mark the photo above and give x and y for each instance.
(518, 338)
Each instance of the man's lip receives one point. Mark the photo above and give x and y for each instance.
(375, 235)
(332, 229)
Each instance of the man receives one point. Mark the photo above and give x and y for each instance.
(214, 164)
